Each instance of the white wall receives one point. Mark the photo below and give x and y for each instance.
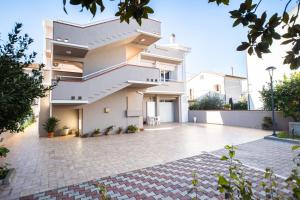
(118, 103)
(247, 119)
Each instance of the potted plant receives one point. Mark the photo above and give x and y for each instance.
(227, 107)
(96, 132)
(66, 130)
(50, 126)
(120, 130)
(108, 130)
(132, 129)
(76, 133)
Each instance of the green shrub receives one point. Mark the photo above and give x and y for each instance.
(132, 129)
(241, 105)
(267, 123)
(286, 96)
(208, 102)
(51, 124)
(227, 106)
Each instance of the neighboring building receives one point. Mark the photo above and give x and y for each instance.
(257, 74)
(227, 86)
(112, 73)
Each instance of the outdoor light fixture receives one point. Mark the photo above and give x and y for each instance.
(271, 70)
(143, 40)
(271, 73)
(68, 52)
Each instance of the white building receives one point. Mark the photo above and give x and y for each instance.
(112, 74)
(228, 86)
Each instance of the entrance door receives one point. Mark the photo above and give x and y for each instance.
(167, 111)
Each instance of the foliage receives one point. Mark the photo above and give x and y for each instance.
(102, 190)
(263, 30)
(270, 185)
(3, 151)
(50, 124)
(240, 105)
(195, 186)
(4, 170)
(294, 179)
(127, 9)
(76, 133)
(235, 185)
(208, 102)
(132, 129)
(96, 132)
(108, 129)
(30, 119)
(227, 106)
(286, 96)
(18, 89)
(283, 134)
(120, 130)
(3, 167)
(267, 123)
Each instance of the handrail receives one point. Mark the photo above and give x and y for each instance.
(102, 71)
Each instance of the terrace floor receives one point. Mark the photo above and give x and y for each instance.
(48, 163)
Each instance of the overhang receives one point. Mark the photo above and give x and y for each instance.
(160, 58)
(68, 102)
(142, 84)
(68, 49)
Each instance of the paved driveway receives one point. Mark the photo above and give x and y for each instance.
(43, 163)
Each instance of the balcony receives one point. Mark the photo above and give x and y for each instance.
(169, 87)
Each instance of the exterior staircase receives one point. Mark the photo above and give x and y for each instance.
(100, 84)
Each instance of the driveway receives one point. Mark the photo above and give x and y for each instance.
(42, 163)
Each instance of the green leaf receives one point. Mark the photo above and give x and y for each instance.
(295, 147)
(243, 46)
(222, 180)
(285, 17)
(224, 158)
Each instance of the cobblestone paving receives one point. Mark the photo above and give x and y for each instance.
(47, 163)
(266, 153)
(167, 181)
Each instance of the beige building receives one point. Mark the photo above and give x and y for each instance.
(227, 86)
(112, 73)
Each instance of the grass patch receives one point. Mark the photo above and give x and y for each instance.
(285, 135)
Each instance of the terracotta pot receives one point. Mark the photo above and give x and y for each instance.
(50, 134)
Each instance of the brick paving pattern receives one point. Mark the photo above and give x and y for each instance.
(168, 181)
(266, 153)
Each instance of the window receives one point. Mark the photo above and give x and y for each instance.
(165, 76)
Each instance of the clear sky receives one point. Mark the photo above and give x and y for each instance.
(206, 28)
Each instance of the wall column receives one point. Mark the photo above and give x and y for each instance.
(157, 105)
(80, 120)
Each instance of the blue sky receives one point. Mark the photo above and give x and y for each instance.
(206, 28)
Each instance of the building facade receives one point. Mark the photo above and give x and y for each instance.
(112, 74)
(227, 86)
